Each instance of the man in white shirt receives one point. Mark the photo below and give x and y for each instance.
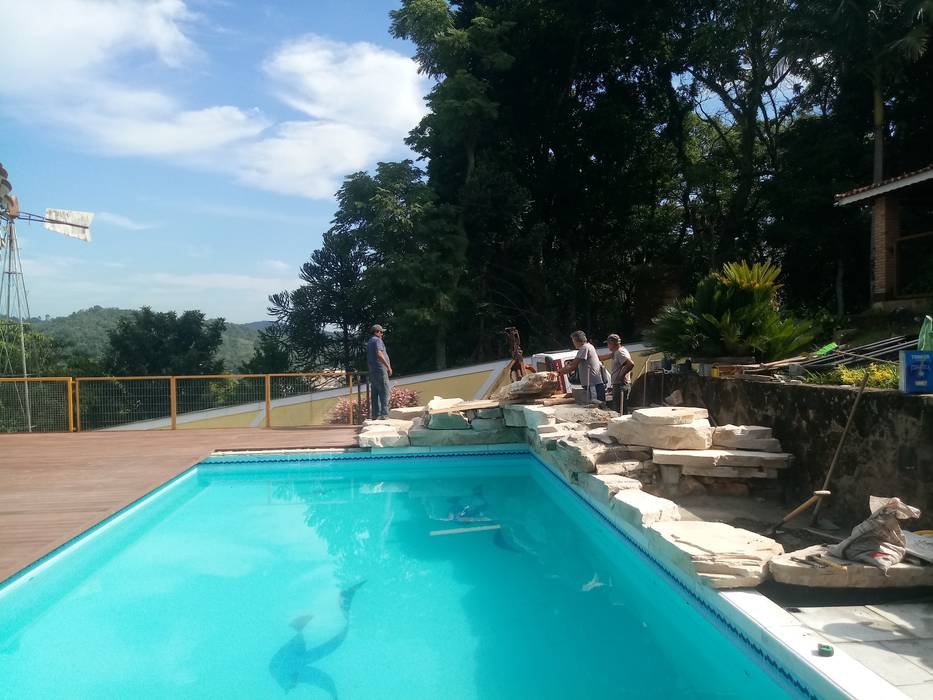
(621, 374)
(587, 361)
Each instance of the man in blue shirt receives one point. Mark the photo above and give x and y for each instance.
(380, 369)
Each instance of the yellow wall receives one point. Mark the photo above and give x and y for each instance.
(234, 420)
(318, 411)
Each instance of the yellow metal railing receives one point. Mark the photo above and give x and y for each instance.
(215, 400)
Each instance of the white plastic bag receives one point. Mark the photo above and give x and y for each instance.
(878, 540)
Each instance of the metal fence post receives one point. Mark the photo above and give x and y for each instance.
(350, 398)
(71, 407)
(173, 401)
(268, 385)
(78, 405)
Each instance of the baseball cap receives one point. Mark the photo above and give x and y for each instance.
(377, 328)
(614, 338)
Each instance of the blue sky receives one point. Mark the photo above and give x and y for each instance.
(208, 137)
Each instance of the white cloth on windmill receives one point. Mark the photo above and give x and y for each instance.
(76, 224)
(878, 540)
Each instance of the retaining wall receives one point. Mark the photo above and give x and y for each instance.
(888, 452)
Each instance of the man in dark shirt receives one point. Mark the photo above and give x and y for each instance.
(380, 369)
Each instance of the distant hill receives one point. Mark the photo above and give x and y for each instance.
(86, 331)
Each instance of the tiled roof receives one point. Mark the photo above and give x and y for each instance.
(886, 184)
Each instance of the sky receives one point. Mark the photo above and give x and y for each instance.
(207, 136)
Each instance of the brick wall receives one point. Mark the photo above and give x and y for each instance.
(885, 228)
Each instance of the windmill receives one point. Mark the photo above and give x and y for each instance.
(14, 301)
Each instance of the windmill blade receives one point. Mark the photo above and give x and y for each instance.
(76, 224)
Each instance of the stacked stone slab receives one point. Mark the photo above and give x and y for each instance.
(720, 555)
(385, 433)
(684, 443)
(672, 429)
(745, 437)
(440, 423)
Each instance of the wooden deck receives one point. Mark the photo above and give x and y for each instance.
(55, 486)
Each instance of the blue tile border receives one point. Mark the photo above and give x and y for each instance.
(310, 457)
(710, 609)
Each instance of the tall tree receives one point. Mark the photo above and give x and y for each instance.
(323, 322)
(154, 343)
(875, 39)
(416, 254)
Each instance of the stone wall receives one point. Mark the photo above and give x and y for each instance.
(888, 452)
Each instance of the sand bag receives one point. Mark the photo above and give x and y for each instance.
(878, 540)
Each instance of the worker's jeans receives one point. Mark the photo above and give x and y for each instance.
(379, 393)
(596, 392)
(620, 392)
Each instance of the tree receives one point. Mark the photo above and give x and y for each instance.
(415, 255)
(270, 355)
(45, 357)
(323, 322)
(733, 313)
(154, 343)
(875, 39)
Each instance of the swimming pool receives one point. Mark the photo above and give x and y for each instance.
(418, 576)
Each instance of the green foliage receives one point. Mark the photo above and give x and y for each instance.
(586, 160)
(83, 338)
(270, 354)
(733, 313)
(151, 343)
(880, 376)
(44, 355)
(399, 397)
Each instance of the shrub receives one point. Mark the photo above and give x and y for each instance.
(880, 376)
(733, 313)
(399, 397)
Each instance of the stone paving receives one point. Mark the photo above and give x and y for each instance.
(895, 640)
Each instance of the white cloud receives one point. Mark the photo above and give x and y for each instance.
(358, 84)
(309, 158)
(79, 65)
(362, 100)
(215, 281)
(120, 221)
(276, 266)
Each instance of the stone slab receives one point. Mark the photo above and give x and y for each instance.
(724, 433)
(439, 404)
(601, 435)
(642, 509)
(422, 437)
(669, 415)
(514, 416)
(630, 468)
(846, 574)
(720, 555)
(487, 424)
(378, 438)
(394, 423)
(731, 472)
(406, 413)
(763, 445)
(697, 435)
(591, 417)
(489, 413)
(603, 487)
(670, 474)
(538, 415)
(723, 458)
(455, 420)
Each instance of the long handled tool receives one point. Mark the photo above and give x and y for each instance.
(815, 498)
(832, 465)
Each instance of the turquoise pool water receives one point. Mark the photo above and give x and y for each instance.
(451, 577)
